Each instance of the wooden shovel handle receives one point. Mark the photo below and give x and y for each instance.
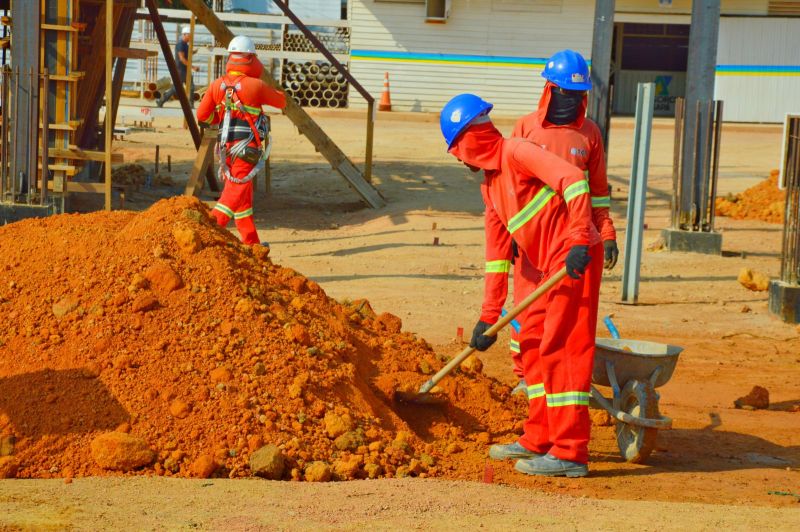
(494, 329)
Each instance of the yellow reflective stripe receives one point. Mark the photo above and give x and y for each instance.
(568, 399)
(225, 210)
(531, 209)
(498, 266)
(601, 201)
(236, 73)
(535, 391)
(575, 190)
(208, 121)
(514, 346)
(243, 214)
(252, 110)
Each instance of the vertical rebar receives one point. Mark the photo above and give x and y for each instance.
(715, 164)
(15, 162)
(33, 130)
(703, 175)
(694, 171)
(4, 133)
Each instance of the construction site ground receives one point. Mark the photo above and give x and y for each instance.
(718, 467)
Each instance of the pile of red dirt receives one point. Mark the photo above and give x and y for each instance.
(155, 343)
(763, 202)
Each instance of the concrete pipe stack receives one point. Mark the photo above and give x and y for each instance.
(315, 84)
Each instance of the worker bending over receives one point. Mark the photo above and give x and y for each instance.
(544, 204)
(559, 126)
(235, 101)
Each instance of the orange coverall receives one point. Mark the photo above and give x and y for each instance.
(243, 72)
(579, 143)
(543, 203)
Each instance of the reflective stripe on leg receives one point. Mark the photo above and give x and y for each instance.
(535, 390)
(224, 210)
(568, 399)
(243, 214)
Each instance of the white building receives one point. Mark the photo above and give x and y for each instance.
(497, 48)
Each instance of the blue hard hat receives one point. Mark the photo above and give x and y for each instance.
(458, 113)
(568, 70)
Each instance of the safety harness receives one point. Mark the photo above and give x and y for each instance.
(241, 148)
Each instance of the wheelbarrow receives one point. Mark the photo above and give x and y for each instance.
(633, 369)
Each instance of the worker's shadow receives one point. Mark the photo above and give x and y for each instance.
(707, 450)
(58, 402)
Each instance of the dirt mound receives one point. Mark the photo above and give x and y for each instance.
(762, 202)
(164, 327)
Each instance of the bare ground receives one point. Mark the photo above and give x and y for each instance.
(718, 467)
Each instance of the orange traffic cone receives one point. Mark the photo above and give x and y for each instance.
(386, 99)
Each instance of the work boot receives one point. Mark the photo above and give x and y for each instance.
(510, 451)
(550, 466)
(521, 387)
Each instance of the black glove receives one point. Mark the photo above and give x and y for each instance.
(514, 251)
(611, 254)
(577, 260)
(480, 341)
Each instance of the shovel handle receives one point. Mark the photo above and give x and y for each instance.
(494, 329)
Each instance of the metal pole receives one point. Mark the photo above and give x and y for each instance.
(189, 62)
(637, 196)
(603, 36)
(45, 137)
(704, 173)
(109, 129)
(700, 74)
(676, 160)
(32, 174)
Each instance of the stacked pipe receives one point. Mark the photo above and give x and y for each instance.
(315, 84)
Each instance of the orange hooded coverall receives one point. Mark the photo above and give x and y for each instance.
(243, 73)
(579, 143)
(543, 203)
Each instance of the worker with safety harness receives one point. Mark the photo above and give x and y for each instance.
(543, 203)
(235, 101)
(561, 127)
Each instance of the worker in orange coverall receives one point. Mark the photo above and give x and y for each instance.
(235, 101)
(560, 126)
(544, 204)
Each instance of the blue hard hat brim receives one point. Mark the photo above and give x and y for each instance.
(568, 85)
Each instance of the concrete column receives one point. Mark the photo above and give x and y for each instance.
(602, 41)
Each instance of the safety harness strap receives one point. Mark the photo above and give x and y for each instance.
(240, 146)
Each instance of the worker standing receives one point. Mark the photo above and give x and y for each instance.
(543, 203)
(561, 127)
(235, 101)
(182, 55)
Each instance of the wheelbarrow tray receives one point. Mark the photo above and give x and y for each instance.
(633, 359)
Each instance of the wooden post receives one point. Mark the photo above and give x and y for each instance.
(368, 149)
(189, 92)
(157, 154)
(109, 98)
(205, 155)
(169, 163)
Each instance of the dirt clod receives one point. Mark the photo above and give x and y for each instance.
(267, 462)
(121, 452)
(753, 280)
(65, 305)
(163, 278)
(336, 425)
(318, 472)
(203, 467)
(758, 398)
(8, 467)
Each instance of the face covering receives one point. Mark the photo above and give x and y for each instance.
(480, 146)
(563, 108)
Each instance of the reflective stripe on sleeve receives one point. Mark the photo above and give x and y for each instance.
(599, 202)
(514, 345)
(568, 399)
(531, 209)
(575, 190)
(498, 266)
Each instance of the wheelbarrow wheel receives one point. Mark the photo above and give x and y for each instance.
(638, 398)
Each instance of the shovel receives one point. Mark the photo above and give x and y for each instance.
(424, 395)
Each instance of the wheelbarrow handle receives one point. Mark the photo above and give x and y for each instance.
(494, 329)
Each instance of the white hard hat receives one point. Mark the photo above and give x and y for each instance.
(186, 30)
(242, 44)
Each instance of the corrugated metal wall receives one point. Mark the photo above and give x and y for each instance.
(758, 68)
(495, 48)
